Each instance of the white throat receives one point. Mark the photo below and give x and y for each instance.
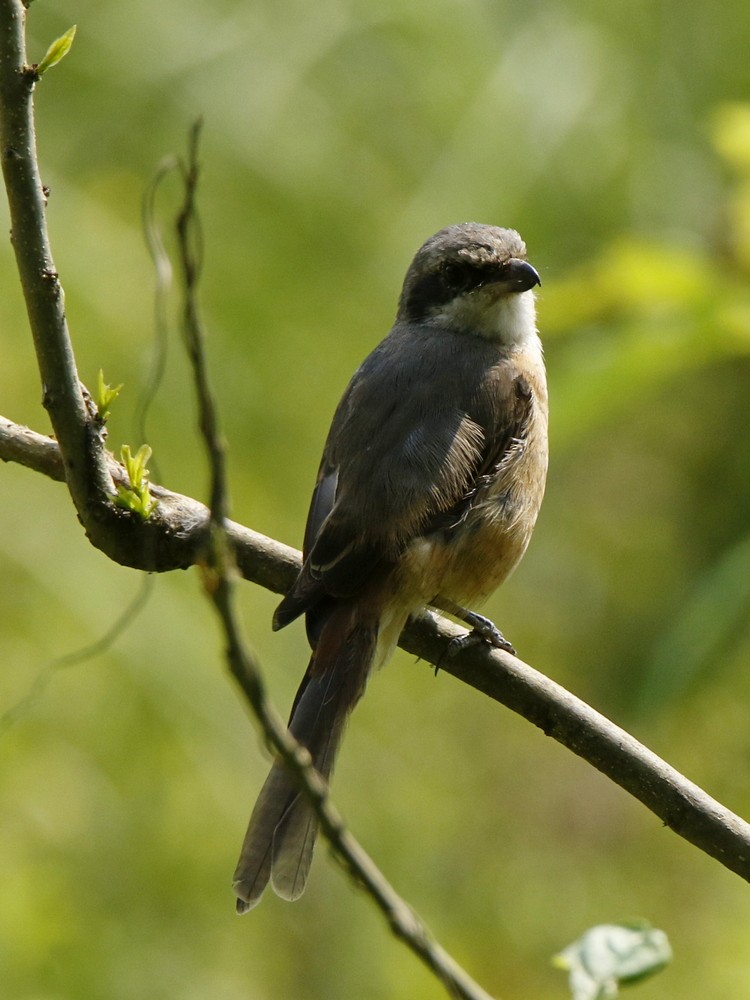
(507, 319)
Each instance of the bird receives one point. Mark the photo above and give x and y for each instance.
(429, 486)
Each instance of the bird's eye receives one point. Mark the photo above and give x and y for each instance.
(454, 275)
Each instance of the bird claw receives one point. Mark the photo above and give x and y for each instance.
(482, 630)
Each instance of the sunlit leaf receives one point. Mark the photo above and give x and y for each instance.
(105, 396)
(609, 955)
(637, 318)
(57, 51)
(731, 134)
(136, 496)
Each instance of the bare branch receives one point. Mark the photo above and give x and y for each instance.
(120, 534)
(35, 451)
(77, 431)
(680, 804)
(176, 531)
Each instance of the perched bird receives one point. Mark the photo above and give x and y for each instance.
(429, 487)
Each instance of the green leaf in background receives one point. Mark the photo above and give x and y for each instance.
(609, 955)
(731, 134)
(731, 139)
(57, 51)
(712, 620)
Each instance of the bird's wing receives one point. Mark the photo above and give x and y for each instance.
(504, 442)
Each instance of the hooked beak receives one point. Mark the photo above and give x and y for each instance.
(519, 276)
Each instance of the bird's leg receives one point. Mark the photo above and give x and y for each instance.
(482, 629)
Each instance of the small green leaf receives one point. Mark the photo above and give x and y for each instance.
(136, 464)
(607, 956)
(57, 51)
(136, 496)
(105, 396)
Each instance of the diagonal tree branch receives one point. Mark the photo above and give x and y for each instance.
(678, 802)
(177, 530)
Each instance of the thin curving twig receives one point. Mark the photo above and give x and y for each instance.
(404, 922)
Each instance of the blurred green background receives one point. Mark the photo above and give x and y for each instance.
(338, 136)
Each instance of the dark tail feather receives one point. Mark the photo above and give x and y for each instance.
(281, 835)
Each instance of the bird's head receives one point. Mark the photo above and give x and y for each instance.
(475, 279)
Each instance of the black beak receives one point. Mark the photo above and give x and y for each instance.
(519, 275)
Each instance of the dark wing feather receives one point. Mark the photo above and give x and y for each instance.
(504, 438)
(308, 589)
(321, 504)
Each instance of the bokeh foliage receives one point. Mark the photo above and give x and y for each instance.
(337, 136)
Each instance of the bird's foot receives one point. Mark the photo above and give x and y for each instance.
(482, 630)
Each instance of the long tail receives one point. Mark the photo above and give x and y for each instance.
(281, 835)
